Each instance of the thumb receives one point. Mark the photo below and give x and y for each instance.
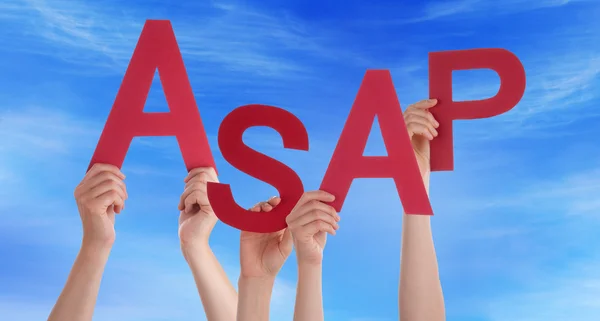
(287, 242)
(110, 212)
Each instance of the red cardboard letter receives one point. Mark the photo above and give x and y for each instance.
(258, 165)
(156, 48)
(376, 97)
(441, 65)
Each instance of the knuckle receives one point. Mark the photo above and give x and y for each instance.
(113, 185)
(289, 220)
(314, 203)
(314, 214)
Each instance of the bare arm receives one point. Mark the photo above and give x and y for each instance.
(255, 298)
(99, 196)
(309, 295)
(420, 293)
(310, 222)
(421, 296)
(218, 296)
(196, 222)
(78, 298)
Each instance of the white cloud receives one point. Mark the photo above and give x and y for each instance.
(466, 8)
(237, 38)
(570, 294)
(571, 194)
(146, 276)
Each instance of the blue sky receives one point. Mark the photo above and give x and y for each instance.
(516, 223)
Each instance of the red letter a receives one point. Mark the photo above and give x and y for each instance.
(376, 97)
(156, 48)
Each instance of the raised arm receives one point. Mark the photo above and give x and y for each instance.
(309, 222)
(420, 297)
(99, 196)
(261, 257)
(196, 223)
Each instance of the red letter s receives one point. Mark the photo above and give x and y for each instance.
(258, 165)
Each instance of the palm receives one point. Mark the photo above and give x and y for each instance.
(312, 249)
(105, 219)
(195, 223)
(420, 146)
(261, 253)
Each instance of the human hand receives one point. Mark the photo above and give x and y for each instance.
(421, 126)
(99, 196)
(309, 223)
(263, 254)
(197, 218)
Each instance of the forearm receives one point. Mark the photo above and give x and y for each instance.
(421, 296)
(217, 294)
(78, 298)
(254, 298)
(309, 295)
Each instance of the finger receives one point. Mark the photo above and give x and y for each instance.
(318, 226)
(266, 207)
(208, 171)
(270, 204)
(98, 168)
(110, 198)
(256, 207)
(274, 201)
(419, 129)
(108, 185)
(412, 118)
(287, 242)
(315, 195)
(422, 113)
(314, 215)
(195, 201)
(101, 178)
(189, 189)
(423, 104)
(312, 206)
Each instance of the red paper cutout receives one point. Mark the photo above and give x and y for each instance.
(376, 97)
(259, 166)
(156, 48)
(441, 65)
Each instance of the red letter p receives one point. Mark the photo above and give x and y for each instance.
(441, 66)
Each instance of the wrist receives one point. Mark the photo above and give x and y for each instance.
(96, 245)
(311, 260)
(310, 269)
(193, 250)
(93, 250)
(258, 282)
(256, 279)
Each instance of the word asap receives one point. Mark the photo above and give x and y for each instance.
(157, 49)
